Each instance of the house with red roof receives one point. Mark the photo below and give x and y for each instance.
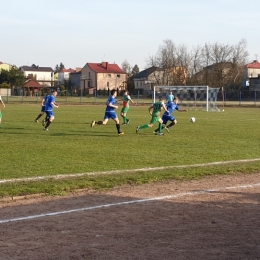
(252, 70)
(32, 86)
(252, 75)
(102, 76)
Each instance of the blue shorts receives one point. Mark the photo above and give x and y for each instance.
(43, 109)
(49, 114)
(167, 118)
(110, 114)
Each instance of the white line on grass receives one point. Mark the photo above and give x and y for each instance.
(190, 193)
(74, 175)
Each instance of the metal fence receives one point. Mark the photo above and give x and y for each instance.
(238, 98)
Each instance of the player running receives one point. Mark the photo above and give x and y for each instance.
(49, 104)
(126, 100)
(167, 116)
(42, 111)
(155, 111)
(110, 112)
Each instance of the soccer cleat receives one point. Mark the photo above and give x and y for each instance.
(137, 129)
(155, 131)
(93, 123)
(124, 124)
(167, 129)
(36, 121)
(128, 121)
(45, 129)
(158, 133)
(120, 133)
(43, 122)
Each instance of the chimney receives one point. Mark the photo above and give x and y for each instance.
(104, 64)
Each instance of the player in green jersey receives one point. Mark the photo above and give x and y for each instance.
(155, 112)
(126, 100)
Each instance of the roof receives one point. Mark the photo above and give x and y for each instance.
(36, 68)
(32, 83)
(147, 72)
(105, 67)
(253, 65)
(68, 70)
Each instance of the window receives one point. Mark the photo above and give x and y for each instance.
(109, 75)
(118, 75)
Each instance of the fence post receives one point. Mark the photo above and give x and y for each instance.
(80, 96)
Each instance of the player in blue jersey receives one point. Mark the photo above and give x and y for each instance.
(110, 112)
(42, 110)
(49, 104)
(167, 116)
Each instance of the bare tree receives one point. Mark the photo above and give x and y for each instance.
(126, 67)
(240, 58)
(215, 65)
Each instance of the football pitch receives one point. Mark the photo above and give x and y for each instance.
(72, 155)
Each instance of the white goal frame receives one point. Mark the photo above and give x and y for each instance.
(210, 94)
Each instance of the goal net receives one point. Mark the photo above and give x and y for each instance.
(193, 97)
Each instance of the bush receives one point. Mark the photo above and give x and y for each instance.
(5, 85)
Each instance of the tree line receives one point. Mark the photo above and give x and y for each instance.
(212, 64)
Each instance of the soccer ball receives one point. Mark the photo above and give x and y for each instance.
(192, 119)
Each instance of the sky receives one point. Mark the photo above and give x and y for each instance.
(49, 32)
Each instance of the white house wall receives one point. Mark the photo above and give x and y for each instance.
(40, 75)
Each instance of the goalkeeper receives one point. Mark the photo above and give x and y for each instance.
(167, 116)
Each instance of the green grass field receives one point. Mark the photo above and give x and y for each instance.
(72, 146)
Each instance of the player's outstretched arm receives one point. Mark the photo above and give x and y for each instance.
(3, 103)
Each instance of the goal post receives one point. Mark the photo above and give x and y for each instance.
(194, 97)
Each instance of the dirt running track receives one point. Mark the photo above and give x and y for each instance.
(223, 223)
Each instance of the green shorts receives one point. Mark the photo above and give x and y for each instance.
(124, 109)
(154, 119)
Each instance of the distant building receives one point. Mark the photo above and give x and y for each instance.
(102, 76)
(64, 75)
(146, 79)
(74, 78)
(32, 86)
(251, 76)
(44, 75)
(4, 66)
